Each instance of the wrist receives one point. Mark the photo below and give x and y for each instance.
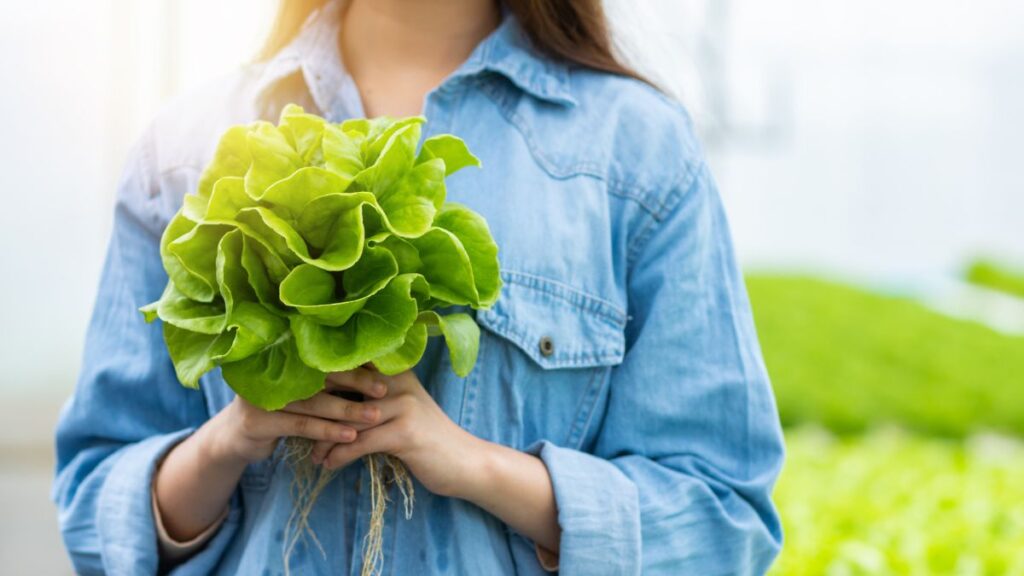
(481, 464)
(216, 447)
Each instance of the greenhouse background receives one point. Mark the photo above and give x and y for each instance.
(869, 156)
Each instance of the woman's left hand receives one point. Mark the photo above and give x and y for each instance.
(413, 428)
(512, 485)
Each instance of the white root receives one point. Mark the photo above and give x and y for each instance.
(310, 480)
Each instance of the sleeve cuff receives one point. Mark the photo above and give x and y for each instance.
(598, 512)
(124, 517)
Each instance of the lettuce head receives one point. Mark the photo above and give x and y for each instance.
(312, 247)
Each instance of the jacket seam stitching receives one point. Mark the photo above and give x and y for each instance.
(587, 405)
(581, 168)
(683, 187)
(608, 310)
(577, 359)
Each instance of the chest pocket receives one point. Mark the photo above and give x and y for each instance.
(546, 349)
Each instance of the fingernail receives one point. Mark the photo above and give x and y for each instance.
(347, 436)
(370, 413)
(379, 389)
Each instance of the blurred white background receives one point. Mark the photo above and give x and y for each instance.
(80, 82)
(869, 138)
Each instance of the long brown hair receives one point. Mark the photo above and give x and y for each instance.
(575, 31)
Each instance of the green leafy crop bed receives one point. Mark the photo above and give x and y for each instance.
(992, 275)
(890, 408)
(850, 359)
(893, 503)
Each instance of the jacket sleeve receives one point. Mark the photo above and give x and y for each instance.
(680, 478)
(128, 408)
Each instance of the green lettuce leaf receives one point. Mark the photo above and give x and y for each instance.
(461, 334)
(313, 291)
(343, 152)
(275, 377)
(193, 353)
(304, 133)
(232, 158)
(473, 233)
(407, 355)
(451, 149)
(409, 194)
(446, 266)
(273, 158)
(334, 225)
(202, 317)
(310, 247)
(376, 329)
(194, 255)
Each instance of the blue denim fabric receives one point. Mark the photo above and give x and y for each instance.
(651, 409)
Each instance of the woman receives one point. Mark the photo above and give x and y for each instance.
(619, 419)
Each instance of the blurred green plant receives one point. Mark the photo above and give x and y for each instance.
(851, 360)
(989, 274)
(892, 503)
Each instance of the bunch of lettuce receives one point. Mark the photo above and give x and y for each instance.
(313, 247)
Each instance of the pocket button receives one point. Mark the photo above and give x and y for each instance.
(547, 346)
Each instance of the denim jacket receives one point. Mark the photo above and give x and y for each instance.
(622, 350)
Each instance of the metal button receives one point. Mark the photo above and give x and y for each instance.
(547, 346)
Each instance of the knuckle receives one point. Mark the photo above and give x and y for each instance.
(301, 425)
(407, 402)
(349, 410)
(321, 449)
(338, 378)
(321, 404)
(247, 421)
(361, 379)
(331, 461)
(341, 432)
(404, 431)
(368, 379)
(337, 457)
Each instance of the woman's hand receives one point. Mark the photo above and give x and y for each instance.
(248, 433)
(415, 429)
(196, 478)
(449, 461)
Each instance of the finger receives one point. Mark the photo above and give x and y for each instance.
(368, 382)
(372, 441)
(326, 405)
(394, 405)
(311, 427)
(404, 382)
(320, 451)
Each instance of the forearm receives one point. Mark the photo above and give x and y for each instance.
(194, 483)
(516, 488)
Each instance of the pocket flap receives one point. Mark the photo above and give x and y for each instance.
(556, 325)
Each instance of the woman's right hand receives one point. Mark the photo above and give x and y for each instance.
(194, 482)
(245, 433)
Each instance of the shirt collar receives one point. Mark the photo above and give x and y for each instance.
(506, 51)
(314, 53)
(509, 52)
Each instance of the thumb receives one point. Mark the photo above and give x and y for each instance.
(367, 442)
